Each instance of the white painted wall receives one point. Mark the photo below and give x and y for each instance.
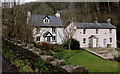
(102, 33)
(59, 35)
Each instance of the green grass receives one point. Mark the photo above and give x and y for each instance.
(91, 62)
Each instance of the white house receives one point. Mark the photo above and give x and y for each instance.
(46, 28)
(93, 34)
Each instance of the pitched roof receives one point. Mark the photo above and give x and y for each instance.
(93, 25)
(37, 20)
(46, 34)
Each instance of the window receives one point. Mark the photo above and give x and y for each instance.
(54, 38)
(110, 31)
(48, 39)
(46, 20)
(84, 31)
(53, 30)
(110, 39)
(96, 31)
(84, 40)
(38, 38)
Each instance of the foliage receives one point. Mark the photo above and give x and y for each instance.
(117, 58)
(46, 46)
(25, 60)
(41, 66)
(39, 45)
(56, 52)
(18, 63)
(74, 44)
(26, 68)
(118, 43)
(14, 20)
(8, 54)
(43, 46)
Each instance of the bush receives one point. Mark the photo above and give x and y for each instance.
(74, 44)
(117, 58)
(43, 46)
(39, 45)
(46, 46)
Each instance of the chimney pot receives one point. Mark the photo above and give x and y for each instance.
(108, 20)
(96, 20)
(57, 14)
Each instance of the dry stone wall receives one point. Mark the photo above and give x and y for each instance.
(36, 53)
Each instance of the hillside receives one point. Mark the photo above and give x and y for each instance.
(80, 12)
(77, 12)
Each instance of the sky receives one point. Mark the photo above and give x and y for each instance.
(26, 1)
(21, 1)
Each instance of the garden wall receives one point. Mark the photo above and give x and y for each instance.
(29, 52)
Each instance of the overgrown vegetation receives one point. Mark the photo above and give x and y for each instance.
(24, 60)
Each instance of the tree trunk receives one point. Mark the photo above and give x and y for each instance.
(70, 44)
(109, 6)
(97, 7)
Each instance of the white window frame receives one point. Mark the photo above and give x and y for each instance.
(110, 31)
(48, 38)
(38, 38)
(53, 30)
(84, 42)
(111, 39)
(46, 20)
(54, 40)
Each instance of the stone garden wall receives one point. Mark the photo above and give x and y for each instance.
(31, 53)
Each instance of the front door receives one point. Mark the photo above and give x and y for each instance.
(105, 42)
(94, 43)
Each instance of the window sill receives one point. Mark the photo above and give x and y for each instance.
(54, 41)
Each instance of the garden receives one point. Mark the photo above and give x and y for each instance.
(26, 61)
(81, 57)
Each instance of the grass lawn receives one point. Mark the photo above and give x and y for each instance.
(91, 62)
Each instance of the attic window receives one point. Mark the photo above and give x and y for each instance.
(46, 20)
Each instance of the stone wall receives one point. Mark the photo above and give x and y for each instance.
(35, 53)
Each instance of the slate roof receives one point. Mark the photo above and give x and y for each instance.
(94, 25)
(37, 20)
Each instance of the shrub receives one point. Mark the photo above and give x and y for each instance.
(117, 58)
(41, 66)
(74, 44)
(118, 43)
(43, 46)
(39, 45)
(46, 46)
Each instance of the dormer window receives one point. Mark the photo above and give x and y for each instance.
(46, 19)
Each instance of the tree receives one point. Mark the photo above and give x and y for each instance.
(69, 32)
(15, 21)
